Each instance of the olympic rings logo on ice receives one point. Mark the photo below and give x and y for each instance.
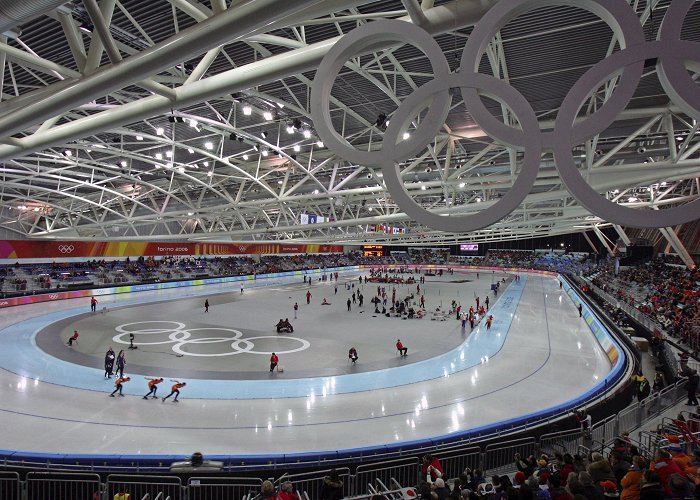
(674, 56)
(66, 248)
(180, 336)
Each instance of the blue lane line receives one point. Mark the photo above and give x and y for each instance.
(22, 356)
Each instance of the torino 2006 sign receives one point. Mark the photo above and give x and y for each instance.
(674, 56)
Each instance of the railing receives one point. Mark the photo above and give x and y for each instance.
(10, 486)
(222, 488)
(49, 486)
(139, 486)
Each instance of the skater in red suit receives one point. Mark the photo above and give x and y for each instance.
(118, 386)
(308, 297)
(175, 389)
(403, 350)
(489, 320)
(153, 387)
(273, 362)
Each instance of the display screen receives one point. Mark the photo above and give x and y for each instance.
(469, 247)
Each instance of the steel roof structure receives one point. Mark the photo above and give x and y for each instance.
(191, 120)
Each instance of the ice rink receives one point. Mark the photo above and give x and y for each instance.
(538, 354)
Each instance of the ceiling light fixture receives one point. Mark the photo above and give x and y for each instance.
(247, 110)
(160, 131)
(245, 157)
(297, 148)
(307, 133)
(319, 144)
(208, 145)
(267, 115)
(139, 137)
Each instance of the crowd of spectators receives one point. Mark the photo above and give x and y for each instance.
(668, 294)
(624, 473)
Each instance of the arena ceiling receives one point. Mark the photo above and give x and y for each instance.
(178, 119)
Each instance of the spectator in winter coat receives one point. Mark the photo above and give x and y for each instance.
(440, 489)
(267, 490)
(287, 492)
(632, 482)
(555, 489)
(567, 468)
(600, 469)
(332, 487)
(680, 487)
(651, 487)
(591, 491)
(664, 466)
(526, 466)
(539, 491)
(619, 466)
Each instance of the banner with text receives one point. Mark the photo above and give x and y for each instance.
(27, 249)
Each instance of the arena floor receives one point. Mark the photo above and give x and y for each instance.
(537, 355)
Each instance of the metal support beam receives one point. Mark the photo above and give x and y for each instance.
(588, 239)
(457, 14)
(603, 240)
(623, 235)
(233, 24)
(677, 245)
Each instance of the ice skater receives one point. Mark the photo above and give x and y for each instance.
(580, 310)
(273, 362)
(118, 386)
(109, 362)
(489, 320)
(175, 389)
(308, 297)
(487, 302)
(93, 304)
(296, 308)
(403, 350)
(206, 306)
(152, 387)
(349, 305)
(72, 339)
(352, 355)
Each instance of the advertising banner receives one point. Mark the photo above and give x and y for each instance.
(54, 249)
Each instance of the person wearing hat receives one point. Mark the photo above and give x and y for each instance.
(609, 489)
(519, 479)
(332, 487)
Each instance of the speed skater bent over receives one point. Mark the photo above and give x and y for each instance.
(175, 389)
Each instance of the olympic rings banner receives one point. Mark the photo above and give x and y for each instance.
(42, 249)
(677, 60)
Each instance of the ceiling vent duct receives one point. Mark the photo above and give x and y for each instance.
(16, 12)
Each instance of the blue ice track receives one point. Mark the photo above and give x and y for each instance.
(22, 356)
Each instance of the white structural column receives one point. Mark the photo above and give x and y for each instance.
(677, 245)
(588, 239)
(623, 235)
(603, 240)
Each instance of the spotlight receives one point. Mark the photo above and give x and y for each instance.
(641, 150)
(267, 115)
(290, 129)
(247, 110)
(297, 148)
(245, 157)
(263, 134)
(319, 144)
(381, 120)
(307, 133)
(264, 152)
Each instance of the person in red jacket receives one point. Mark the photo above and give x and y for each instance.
(430, 466)
(118, 386)
(664, 466)
(175, 389)
(403, 350)
(308, 297)
(287, 492)
(273, 362)
(73, 338)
